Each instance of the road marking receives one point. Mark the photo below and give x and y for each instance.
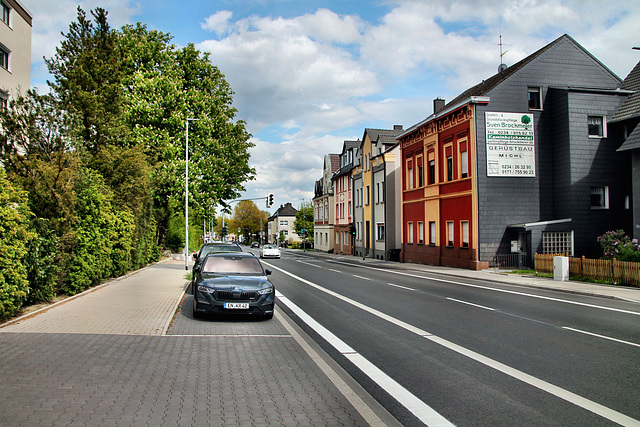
(400, 286)
(335, 271)
(559, 392)
(618, 310)
(470, 303)
(421, 410)
(361, 277)
(601, 336)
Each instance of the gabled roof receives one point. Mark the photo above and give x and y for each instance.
(479, 92)
(387, 136)
(631, 107)
(286, 210)
(335, 162)
(632, 142)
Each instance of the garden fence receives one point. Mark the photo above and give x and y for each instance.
(607, 270)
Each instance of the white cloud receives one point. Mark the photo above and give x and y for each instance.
(218, 22)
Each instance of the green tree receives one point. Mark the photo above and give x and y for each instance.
(87, 69)
(304, 220)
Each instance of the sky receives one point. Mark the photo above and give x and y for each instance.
(310, 74)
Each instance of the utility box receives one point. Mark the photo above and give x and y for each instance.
(561, 268)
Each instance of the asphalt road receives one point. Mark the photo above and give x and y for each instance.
(440, 350)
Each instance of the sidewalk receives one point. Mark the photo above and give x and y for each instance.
(130, 353)
(623, 293)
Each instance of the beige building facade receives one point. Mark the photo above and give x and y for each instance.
(15, 49)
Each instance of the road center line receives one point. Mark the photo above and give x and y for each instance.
(566, 395)
(601, 336)
(470, 303)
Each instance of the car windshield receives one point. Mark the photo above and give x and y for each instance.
(270, 247)
(232, 265)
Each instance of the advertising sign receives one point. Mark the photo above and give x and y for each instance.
(510, 145)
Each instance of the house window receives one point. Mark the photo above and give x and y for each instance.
(464, 228)
(432, 233)
(4, 57)
(420, 172)
(421, 232)
(464, 164)
(596, 127)
(557, 242)
(410, 175)
(5, 13)
(599, 197)
(410, 232)
(534, 95)
(432, 171)
(449, 168)
(449, 233)
(284, 222)
(380, 228)
(367, 203)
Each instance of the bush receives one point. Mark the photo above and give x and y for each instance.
(616, 244)
(14, 240)
(42, 264)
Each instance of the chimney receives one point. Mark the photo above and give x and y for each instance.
(438, 105)
(397, 127)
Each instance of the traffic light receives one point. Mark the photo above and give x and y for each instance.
(352, 229)
(270, 200)
(225, 231)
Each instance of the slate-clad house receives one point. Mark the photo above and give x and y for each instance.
(625, 121)
(523, 162)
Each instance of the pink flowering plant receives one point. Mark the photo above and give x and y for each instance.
(616, 244)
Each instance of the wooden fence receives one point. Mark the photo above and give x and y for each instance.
(609, 270)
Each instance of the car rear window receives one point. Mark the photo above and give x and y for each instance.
(220, 248)
(232, 265)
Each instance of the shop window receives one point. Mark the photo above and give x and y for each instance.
(450, 233)
(432, 233)
(464, 231)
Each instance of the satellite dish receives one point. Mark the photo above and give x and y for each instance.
(502, 67)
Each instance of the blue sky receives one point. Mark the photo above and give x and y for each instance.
(310, 74)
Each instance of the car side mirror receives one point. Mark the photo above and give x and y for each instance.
(268, 272)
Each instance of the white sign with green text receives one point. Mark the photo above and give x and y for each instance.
(510, 145)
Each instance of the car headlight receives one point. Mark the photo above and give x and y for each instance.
(205, 289)
(266, 291)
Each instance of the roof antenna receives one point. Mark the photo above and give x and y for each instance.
(502, 65)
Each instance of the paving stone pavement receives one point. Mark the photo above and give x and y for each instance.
(129, 354)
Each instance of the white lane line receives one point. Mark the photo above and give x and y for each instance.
(601, 336)
(421, 410)
(361, 277)
(570, 397)
(400, 286)
(618, 310)
(335, 271)
(470, 303)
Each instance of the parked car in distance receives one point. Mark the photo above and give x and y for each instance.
(233, 283)
(269, 251)
(255, 245)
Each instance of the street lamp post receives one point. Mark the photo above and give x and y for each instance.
(186, 200)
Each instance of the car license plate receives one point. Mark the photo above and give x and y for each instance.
(240, 305)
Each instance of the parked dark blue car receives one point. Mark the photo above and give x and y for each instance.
(232, 283)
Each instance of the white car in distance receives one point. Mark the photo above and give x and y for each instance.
(269, 251)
